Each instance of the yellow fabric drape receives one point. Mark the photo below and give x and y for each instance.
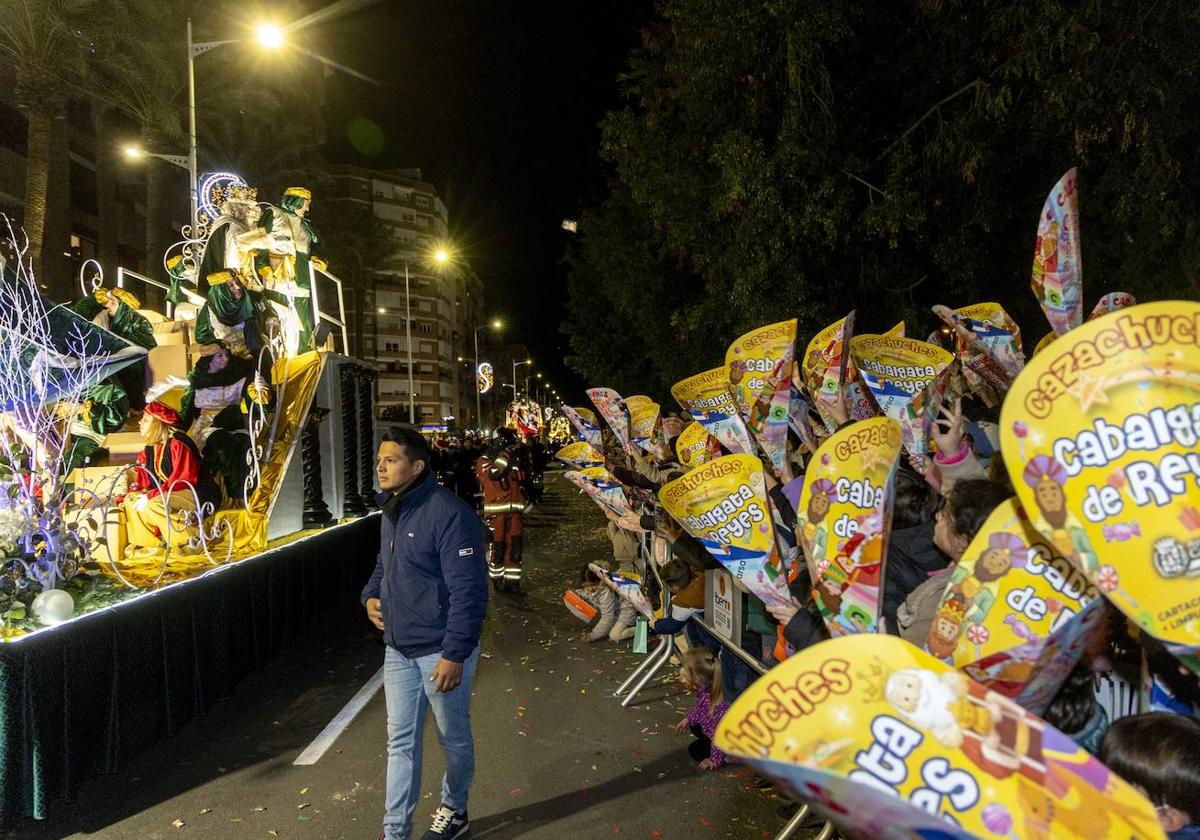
(303, 373)
(248, 527)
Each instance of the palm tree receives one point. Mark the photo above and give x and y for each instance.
(41, 38)
(137, 88)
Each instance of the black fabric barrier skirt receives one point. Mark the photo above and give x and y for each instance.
(83, 698)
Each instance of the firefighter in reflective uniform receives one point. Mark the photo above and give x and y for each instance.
(500, 476)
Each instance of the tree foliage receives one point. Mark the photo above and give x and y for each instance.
(793, 157)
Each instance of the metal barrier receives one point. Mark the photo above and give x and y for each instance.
(793, 825)
(654, 662)
(123, 272)
(662, 654)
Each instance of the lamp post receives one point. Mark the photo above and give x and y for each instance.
(268, 35)
(496, 324)
(408, 346)
(136, 152)
(516, 365)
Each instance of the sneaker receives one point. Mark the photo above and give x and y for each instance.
(448, 825)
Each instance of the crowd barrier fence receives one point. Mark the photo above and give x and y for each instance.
(661, 655)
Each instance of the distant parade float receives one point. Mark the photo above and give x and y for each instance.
(525, 417)
(140, 447)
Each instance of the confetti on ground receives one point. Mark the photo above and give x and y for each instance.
(204, 811)
(179, 823)
(303, 791)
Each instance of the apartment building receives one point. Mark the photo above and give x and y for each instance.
(416, 311)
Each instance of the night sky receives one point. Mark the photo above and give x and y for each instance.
(498, 103)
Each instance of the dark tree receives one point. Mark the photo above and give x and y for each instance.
(794, 157)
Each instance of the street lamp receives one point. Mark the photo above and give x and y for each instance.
(137, 152)
(496, 324)
(268, 35)
(516, 365)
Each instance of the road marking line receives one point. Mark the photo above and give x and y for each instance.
(313, 752)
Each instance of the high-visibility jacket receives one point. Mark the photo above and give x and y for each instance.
(501, 484)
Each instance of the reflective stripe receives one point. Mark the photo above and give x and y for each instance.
(495, 572)
(503, 507)
(512, 573)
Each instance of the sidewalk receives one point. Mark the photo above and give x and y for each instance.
(557, 756)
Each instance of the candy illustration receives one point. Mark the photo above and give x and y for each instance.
(1121, 531)
(978, 635)
(997, 819)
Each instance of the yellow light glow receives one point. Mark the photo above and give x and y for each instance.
(382, 311)
(269, 35)
(441, 256)
(497, 324)
(133, 152)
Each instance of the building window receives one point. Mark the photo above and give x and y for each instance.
(391, 347)
(425, 328)
(423, 202)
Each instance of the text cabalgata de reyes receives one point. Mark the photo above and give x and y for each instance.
(1106, 442)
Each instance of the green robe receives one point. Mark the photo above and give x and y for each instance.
(202, 376)
(223, 308)
(112, 404)
(225, 452)
(262, 259)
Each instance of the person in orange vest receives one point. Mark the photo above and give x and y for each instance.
(500, 475)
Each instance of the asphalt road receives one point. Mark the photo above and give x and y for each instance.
(557, 756)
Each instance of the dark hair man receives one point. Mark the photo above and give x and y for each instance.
(428, 595)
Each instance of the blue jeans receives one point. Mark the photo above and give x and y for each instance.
(409, 694)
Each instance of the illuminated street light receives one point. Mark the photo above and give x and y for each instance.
(137, 153)
(269, 35)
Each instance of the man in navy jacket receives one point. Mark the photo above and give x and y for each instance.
(428, 594)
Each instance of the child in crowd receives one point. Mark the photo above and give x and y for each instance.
(1074, 711)
(605, 603)
(702, 672)
(687, 596)
(1158, 754)
(912, 556)
(961, 514)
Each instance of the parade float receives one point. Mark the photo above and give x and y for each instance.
(171, 482)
